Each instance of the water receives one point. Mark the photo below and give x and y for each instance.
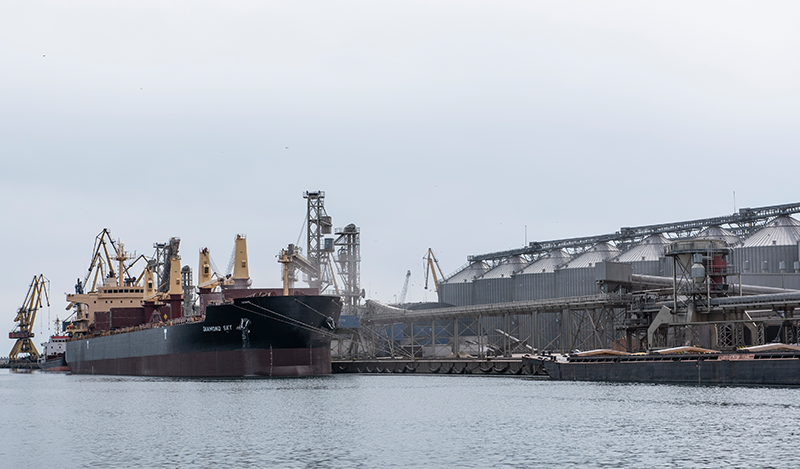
(65, 421)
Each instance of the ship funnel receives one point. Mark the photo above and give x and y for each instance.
(240, 269)
(175, 276)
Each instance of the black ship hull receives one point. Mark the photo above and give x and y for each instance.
(252, 336)
(773, 369)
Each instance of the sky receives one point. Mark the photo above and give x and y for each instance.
(462, 126)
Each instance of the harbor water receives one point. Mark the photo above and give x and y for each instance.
(343, 421)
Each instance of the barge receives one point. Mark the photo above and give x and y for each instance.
(771, 364)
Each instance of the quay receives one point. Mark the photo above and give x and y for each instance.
(454, 366)
(24, 365)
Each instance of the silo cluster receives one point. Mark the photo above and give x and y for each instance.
(768, 257)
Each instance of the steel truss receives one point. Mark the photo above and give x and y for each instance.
(565, 324)
(743, 223)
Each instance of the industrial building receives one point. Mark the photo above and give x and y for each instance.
(764, 254)
(720, 282)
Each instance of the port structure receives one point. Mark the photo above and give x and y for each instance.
(701, 291)
(348, 265)
(700, 274)
(481, 331)
(26, 316)
(159, 264)
(188, 291)
(560, 325)
(743, 223)
(317, 246)
(325, 257)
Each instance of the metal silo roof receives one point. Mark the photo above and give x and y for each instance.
(506, 269)
(782, 231)
(650, 249)
(717, 232)
(469, 273)
(598, 253)
(548, 263)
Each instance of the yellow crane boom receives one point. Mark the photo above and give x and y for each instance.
(431, 267)
(26, 315)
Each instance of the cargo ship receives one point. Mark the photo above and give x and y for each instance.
(128, 327)
(770, 364)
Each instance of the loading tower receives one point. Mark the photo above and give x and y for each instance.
(318, 247)
(348, 262)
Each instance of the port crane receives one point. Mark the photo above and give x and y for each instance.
(431, 267)
(405, 288)
(26, 315)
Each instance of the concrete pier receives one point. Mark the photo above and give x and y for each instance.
(455, 366)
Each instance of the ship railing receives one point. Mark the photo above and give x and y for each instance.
(150, 325)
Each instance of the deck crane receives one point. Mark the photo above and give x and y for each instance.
(405, 288)
(102, 265)
(431, 267)
(292, 259)
(26, 315)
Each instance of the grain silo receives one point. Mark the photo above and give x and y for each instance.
(577, 277)
(457, 289)
(538, 279)
(647, 257)
(495, 286)
(769, 257)
(717, 232)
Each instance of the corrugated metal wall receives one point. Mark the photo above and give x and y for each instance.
(534, 286)
(456, 294)
(661, 267)
(521, 287)
(756, 255)
(789, 281)
(492, 290)
(576, 282)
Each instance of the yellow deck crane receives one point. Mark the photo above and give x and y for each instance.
(26, 315)
(431, 267)
(292, 259)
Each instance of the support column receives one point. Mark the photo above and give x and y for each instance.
(433, 337)
(481, 354)
(412, 340)
(456, 342)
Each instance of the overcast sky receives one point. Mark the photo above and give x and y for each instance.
(452, 125)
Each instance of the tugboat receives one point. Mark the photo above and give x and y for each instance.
(52, 356)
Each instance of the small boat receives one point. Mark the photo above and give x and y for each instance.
(52, 357)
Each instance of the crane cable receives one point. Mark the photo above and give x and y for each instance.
(302, 229)
(285, 319)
